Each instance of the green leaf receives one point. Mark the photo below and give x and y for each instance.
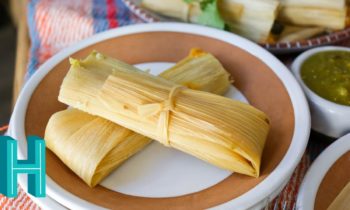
(204, 3)
(189, 1)
(210, 15)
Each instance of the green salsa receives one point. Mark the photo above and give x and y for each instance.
(328, 75)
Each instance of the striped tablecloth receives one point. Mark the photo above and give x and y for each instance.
(56, 24)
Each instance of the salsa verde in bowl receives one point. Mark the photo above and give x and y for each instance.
(324, 74)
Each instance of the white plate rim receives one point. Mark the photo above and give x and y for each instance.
(319, 168)
(258, 193)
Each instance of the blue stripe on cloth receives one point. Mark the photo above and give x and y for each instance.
(34, 37)
(124, 15)
(99, 14)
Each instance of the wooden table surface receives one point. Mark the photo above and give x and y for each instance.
(18, 13)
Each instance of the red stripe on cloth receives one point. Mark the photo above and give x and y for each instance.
(3, 128)
(287, 198)
(111, 14)
(21, 196)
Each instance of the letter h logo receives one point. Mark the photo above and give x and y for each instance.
(34, 166)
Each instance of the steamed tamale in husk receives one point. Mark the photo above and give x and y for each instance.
(225, 132)
(342, 201)
(92, 146)
(252, 19)
(330, 14)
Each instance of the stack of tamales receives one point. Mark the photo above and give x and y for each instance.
(118, 103)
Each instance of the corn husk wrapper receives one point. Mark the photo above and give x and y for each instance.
(252, 19)
(297, 33)
(342, 201)
(313, 16)
(225, 132)
(172, 8)
(256, 20)
(189, 12)
(92, 146)
(327, 4)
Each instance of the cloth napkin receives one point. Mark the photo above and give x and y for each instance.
(57, 24)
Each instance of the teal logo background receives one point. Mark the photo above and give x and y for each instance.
(34, 166)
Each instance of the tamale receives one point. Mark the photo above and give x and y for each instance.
(87, 144)
(92, 146)
(252, 19)
(327, 4)
(313, 16)
(297, 33)
(190, 12)
(172, 8)
(222, 131)
(342, 201)
(256, 20)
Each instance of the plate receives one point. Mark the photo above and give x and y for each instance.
(326, 177)
(263, 80)
(279, 47)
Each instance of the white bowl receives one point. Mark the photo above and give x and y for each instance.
(318, 170)
(255, 198)
(327, 117)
